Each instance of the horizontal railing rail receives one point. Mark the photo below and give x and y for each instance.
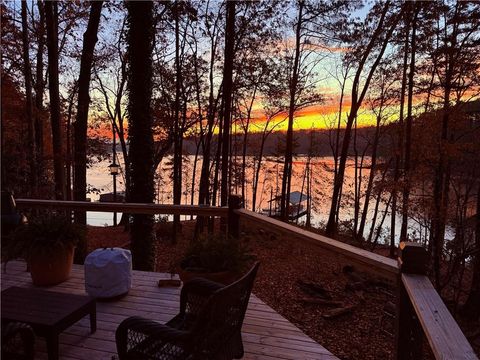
(370, 262)
(129, 208)
(445, 337)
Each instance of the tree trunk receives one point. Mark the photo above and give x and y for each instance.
(371, 176)
(177, 153)
(309, 195)
(39, 90)
(141, 151)
(380, 226)
(440, 190)
(51, 14)
(27, 72)
(68, 145)
(201, 140)
(408, 131)
(204, 188)
(216, 164)
(257, 172)
(194, 173)
(258, 166)
(287, 167)
(81, 122)
(337, 141)
(357, 182)
(471, 307)
(399, 145)
(227, 97)
(245, 142)
(377, 203)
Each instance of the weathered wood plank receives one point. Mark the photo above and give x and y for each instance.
(370, 262)
(288, 343)
(284, 353)
(144, 281)
(267, 335)
(130, 208)
(442, 331)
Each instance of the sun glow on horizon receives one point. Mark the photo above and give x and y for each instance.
(315, 117)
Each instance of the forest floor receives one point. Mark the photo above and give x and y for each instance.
(288, 268)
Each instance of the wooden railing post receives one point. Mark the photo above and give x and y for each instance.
(234, 202)
(413, 259)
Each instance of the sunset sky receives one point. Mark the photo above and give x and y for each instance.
(315, 117)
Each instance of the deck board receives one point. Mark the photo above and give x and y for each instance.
(266, 334)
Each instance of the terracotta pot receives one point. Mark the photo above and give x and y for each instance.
(52, 268)
(222, 277)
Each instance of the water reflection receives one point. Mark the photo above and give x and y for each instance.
(317, 182)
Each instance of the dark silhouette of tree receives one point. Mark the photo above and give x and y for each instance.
(113, 104)
(378, 39)
(258, 23)
(268, 127)
(39, 92)
(227, 98)
(253, 24)
(80, 125)
(413, 14)
(457, 70)
(380, 102)
(27, 72)
(182, 13)
(11, 54)
(341, 76)
(177, 133)
(287, 167)
(212, 23)
(399, 136)
(140, 39)
(471, 307)
(51, 18)
(315, 26)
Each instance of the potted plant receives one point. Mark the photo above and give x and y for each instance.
(48, 243)
(215, 257)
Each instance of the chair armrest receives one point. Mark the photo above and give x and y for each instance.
(195, 293)
(138, 334)
(201, 286)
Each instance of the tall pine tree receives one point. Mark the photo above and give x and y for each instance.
(140, 120)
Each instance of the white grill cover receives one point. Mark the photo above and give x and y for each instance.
(108, 272)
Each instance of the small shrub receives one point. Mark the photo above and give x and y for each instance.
(45, 234)
(215, 253)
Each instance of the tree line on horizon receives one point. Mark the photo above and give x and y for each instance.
(177, 70)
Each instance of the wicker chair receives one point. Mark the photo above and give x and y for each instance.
(207, 327)
(18, 341)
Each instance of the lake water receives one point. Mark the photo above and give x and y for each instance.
(99, 177)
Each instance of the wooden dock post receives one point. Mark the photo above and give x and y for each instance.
(413, 259)
(234, 202)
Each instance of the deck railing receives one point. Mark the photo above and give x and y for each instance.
(420, 310)
(129, 208)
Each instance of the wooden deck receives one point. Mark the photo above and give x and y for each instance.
(266, 334)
